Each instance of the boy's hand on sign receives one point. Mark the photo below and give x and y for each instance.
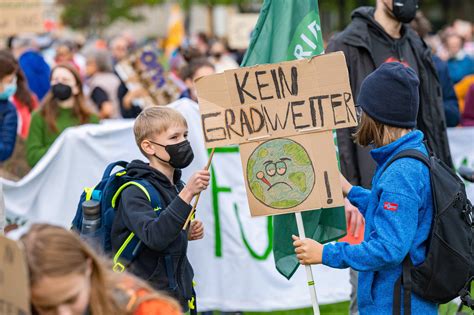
(196, 231)
(197, 183)
(308, 251)
(355, 220)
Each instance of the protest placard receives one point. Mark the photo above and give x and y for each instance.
(277, 100)
(14, 287)
(21, 17)
(240, 29)
(143, 69)
(282, 116)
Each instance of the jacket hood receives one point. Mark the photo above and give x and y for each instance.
(35, 61)
(143, 170)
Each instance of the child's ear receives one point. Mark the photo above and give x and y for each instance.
(147, 147)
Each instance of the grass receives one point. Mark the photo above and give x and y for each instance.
(329, 309)
(343, 309)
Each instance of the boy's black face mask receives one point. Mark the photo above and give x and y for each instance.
(404, 10)
(181, 154)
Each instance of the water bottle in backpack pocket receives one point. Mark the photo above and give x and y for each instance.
(96, 212)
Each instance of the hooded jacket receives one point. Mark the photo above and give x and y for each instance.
(398, 212)
(162, 235)
(356, 43)
(37, 72)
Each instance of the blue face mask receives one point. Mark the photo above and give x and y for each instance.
(8, 91)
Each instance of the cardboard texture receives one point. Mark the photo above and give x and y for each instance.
(282, 116)
(24, 16)
(143, 69)
(239, 30)
(277, 100)
(286, 175)
(14, 287)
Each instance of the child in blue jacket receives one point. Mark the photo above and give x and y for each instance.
(398, 210)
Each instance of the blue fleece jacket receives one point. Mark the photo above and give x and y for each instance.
(8, 129)
(398, 212)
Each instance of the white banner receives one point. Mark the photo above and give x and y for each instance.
(462, 150)
(233, 264)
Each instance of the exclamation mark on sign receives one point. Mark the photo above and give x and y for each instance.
(328, 188)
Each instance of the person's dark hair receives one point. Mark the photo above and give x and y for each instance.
(50, 106)
(9, 42)
(8, 64)
(23, 93)
(374, 132)
(190, 54)
(189, 70)
(203, 37)
(421, 25)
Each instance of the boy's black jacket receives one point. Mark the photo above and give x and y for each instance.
(162, 235)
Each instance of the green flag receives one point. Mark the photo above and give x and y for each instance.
(288, 30)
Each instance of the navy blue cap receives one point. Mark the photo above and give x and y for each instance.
(390, 95)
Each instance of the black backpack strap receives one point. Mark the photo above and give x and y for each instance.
(405, 278)
(405, 281)
(465, 295)
(410, 153)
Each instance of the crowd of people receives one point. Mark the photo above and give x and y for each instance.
(69, 82)
(29, 61)
(453, 57)
(65, 83)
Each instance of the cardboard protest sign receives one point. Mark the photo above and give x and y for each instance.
(24, 16)
(282, 116)
(239, 29)
(276, 100)
(14, 286)
(286, 175)
(143, 69)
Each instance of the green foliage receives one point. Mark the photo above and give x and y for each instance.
(97, 14)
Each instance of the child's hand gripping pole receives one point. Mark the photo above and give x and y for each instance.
(309, 272)
(193, 210)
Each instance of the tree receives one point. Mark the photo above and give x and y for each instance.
(96, 14)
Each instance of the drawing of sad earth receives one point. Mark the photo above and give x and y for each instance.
(280, 173)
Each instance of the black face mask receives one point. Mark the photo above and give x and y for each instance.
(181, 154)
(61, 91)
(404, 10)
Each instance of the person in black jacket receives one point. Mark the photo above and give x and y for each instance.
(161, 134)
(373, 37)
(376, 36)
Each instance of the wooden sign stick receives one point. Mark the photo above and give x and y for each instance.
(309, 272)
(193, 210)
